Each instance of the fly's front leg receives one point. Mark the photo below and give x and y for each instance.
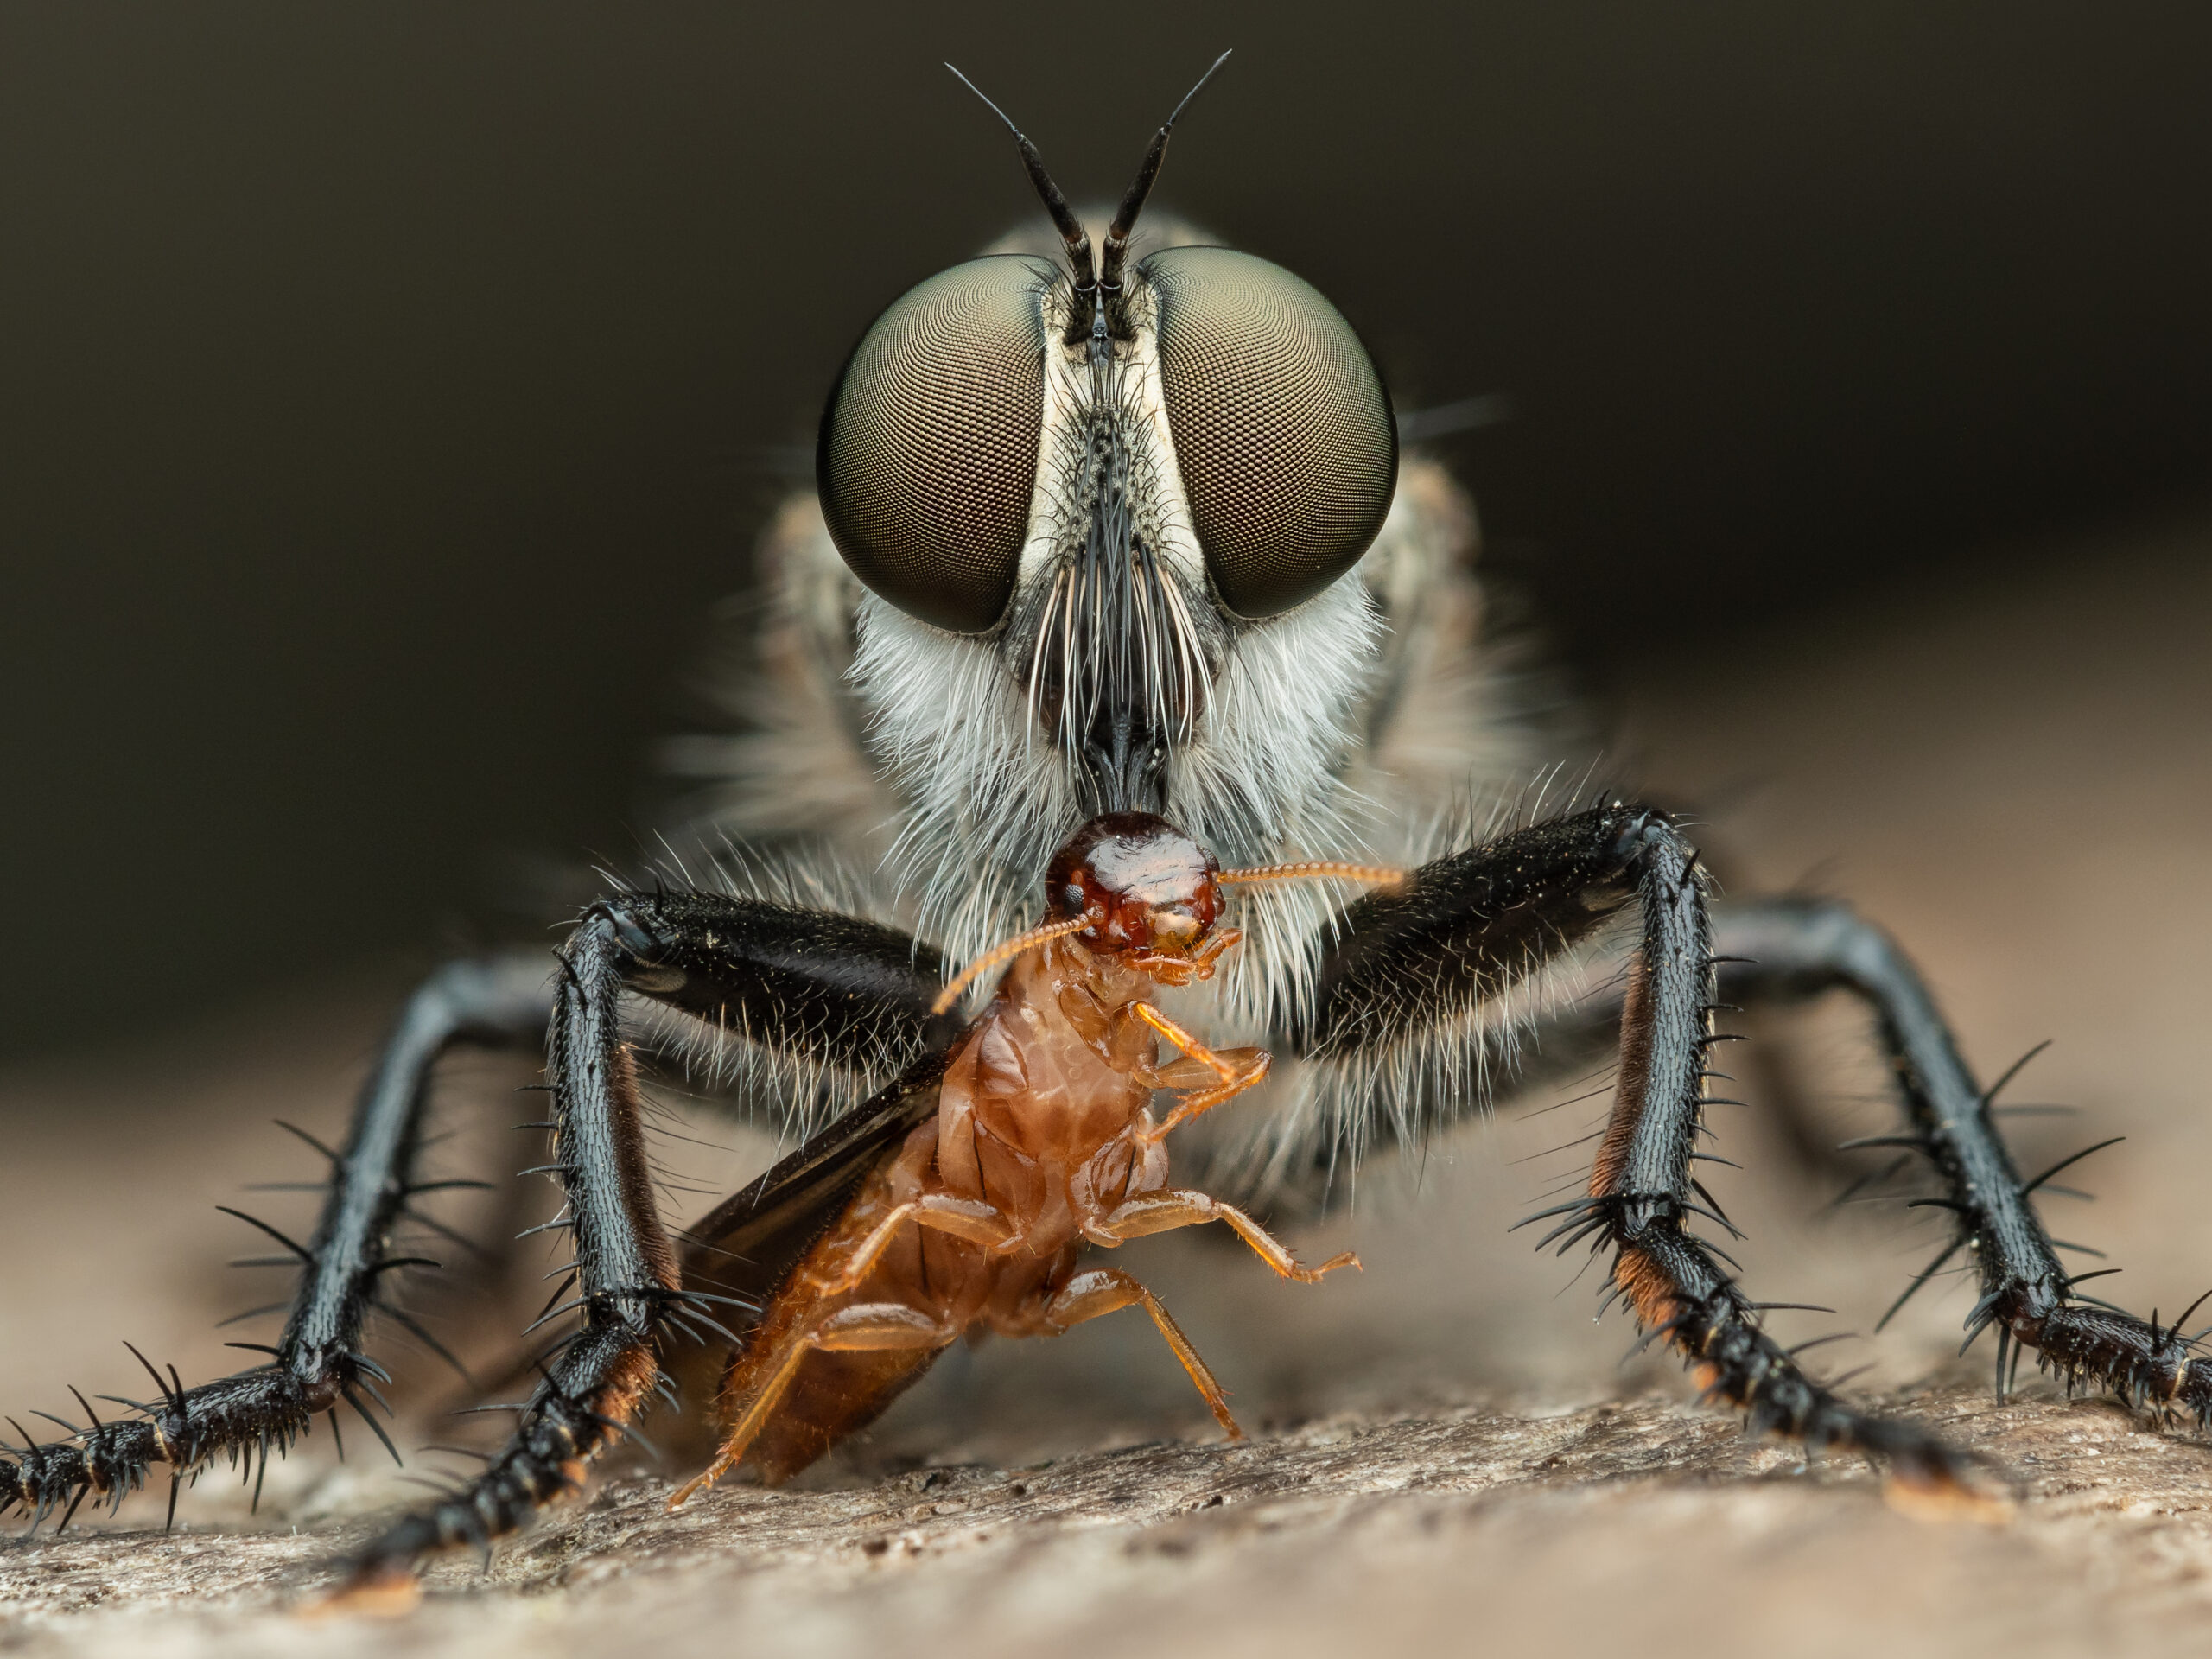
(318, 1363)
(1471, 926)
(1163, 1213)
(1233, 1071)
(1794, 948)
(808, 982)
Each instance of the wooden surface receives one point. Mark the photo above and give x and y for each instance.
(1447, 1454)
(1644, 1521)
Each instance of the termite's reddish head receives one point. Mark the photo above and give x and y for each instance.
(1142, 885)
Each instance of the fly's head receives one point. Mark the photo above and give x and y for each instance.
(1106, 512)
(1147, 894)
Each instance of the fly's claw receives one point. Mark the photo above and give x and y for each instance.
(247, 1417)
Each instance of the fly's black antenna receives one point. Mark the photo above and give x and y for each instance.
(1069, 227)
(1103, 286)
(1125, 220)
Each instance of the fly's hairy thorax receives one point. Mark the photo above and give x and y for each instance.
(903, 767)
(898, 771)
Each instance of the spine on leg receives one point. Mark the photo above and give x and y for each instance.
(579, 1411)
(625, 1272)
(1642, 1195)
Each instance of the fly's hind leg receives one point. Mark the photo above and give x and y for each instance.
(1162, 1212)
(1787, 948)
(1108, 1290)
(762, 1386)
(319, 1363)
(1397, 967)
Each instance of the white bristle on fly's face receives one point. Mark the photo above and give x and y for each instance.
(1377, 721)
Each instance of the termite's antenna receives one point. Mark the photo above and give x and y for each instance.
(1381, 875)
(1007, 952)
(1069, 227)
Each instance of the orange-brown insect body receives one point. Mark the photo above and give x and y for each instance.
(1043, 1141)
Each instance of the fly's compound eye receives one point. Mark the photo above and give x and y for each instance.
(928, 452)
(1289, 453)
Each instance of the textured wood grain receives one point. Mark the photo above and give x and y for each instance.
(1514, 1528)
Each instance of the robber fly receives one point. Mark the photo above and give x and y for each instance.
(1117, 613)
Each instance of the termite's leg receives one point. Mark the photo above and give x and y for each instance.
(1108, 1290)
(1181, 970)
(969, 1218)
(866, 1325)
(1162, 1212)
(1234, 1071)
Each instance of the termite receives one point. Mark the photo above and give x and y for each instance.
(1036, 1139)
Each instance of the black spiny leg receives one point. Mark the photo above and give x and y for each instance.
(1470, 927)
(800, 981)
(318, 1363)
(1800, 947)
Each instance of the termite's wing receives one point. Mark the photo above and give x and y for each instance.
(750, 1243)
(747, 1248)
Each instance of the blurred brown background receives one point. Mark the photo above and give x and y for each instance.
(389, 389)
